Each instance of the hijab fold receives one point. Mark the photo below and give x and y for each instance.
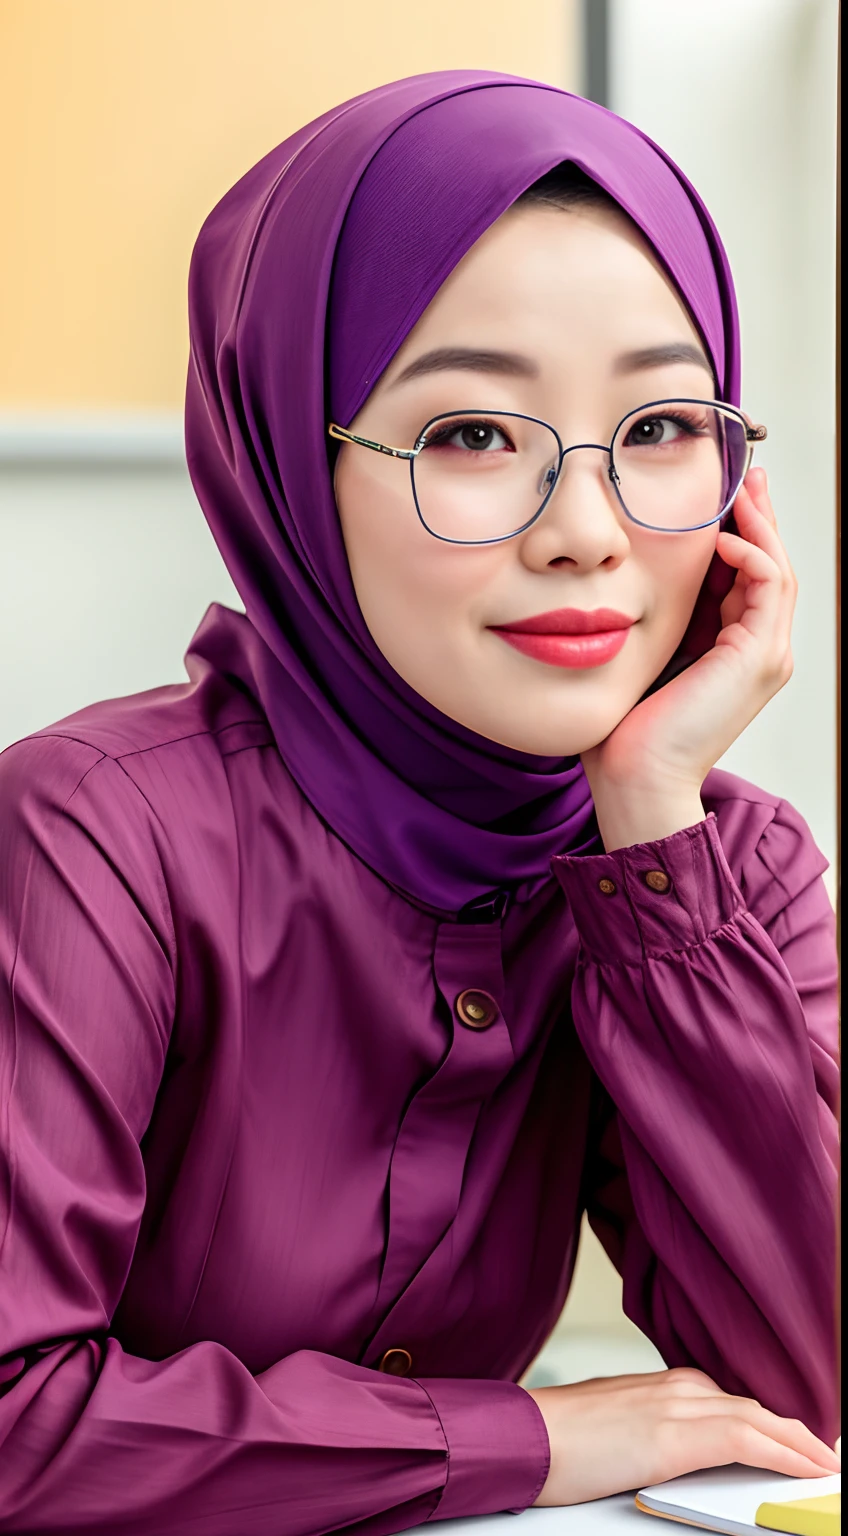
(305, 279)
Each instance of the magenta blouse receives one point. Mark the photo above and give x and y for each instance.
(292, 1170)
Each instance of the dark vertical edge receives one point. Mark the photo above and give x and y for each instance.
(596, 70)
(838, 385)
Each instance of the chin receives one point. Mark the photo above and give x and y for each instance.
(546, 743)
(546, 740)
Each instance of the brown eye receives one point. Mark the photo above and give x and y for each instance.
(479, 435)
(650, 431)
(471, 437)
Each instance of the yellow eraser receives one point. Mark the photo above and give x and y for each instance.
(804, 1517)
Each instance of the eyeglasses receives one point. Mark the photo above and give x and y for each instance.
(479, 477)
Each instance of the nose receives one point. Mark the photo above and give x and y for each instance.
(583, 522)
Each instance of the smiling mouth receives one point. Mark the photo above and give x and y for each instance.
(569, 637)
(568, 650)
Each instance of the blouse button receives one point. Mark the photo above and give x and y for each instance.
(476, 1009)
(607, 887)
(396, 1362)
(657, 879)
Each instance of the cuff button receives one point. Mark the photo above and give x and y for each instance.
(657, 879)
(607, 887)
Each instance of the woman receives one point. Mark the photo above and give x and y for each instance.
(345, 976)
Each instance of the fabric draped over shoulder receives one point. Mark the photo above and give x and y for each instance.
(305, 279)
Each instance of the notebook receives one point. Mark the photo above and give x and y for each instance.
(728, 1499)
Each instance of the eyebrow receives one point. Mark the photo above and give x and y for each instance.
(516, 365)
(472, 360)
(659, 357)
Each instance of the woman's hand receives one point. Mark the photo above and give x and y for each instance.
(646, 775)
(621, 1432)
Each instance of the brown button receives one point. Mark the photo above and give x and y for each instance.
(657, 879)
(607, 887)
(476, 1009)
(396, 1362)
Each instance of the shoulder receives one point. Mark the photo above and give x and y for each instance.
(767, 843)
(210, 705)
(122, 762)
(210, 710)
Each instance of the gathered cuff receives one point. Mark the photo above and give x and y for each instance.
(651, 898)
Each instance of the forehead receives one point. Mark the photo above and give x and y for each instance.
(571, 279)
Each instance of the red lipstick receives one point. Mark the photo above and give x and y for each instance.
(569, 637)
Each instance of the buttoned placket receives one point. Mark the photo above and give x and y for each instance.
(435, 1135)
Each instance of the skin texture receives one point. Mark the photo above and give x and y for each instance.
(572, 290)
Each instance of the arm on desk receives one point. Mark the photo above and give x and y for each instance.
(93, 1438)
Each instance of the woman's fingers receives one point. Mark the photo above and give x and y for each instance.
(714, 1438)
(756, 518)
(790, 1433)
(756, 486)
(755, 1449)
(766, 605)
(697, 1398)
(758, 564)
(796, 1437)
(767, 609)
(756, 531)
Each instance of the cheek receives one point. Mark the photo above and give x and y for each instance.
(675, 572)
(374, 515)
(410, 586)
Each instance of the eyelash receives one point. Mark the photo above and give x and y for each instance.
(449, 430)
(685, 423)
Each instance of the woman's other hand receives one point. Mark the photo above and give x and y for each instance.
(615, 1433)
(646, 775)
(621, 1432)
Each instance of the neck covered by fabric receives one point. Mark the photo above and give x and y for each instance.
(304, 281)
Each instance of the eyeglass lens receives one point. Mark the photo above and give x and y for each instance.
(485, 475)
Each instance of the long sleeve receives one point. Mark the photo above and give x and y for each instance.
(93, 1438)
(709, 1017)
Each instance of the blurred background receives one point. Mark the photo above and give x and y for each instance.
(124, 124)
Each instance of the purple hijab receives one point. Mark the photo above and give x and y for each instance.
(305, 279)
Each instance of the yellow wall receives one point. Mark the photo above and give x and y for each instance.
(124, 121)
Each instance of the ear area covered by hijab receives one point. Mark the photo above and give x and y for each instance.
(305, 279)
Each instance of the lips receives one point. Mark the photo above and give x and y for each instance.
(569, 621)
(569, 637)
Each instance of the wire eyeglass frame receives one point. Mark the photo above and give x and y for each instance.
(754, 433)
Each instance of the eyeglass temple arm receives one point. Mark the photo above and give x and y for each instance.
(365, 442)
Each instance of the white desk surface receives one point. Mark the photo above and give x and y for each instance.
(602, 1517)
